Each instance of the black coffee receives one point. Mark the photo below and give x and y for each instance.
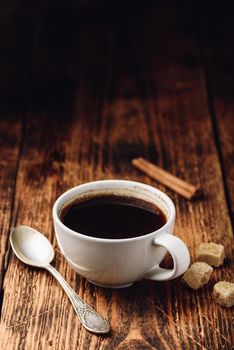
(112, 217)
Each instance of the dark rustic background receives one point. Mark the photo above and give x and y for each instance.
(84, 88)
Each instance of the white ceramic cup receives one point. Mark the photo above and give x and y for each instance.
(117, 263)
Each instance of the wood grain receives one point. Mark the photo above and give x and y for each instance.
(10, 138)
(218, 58)
(136, 96)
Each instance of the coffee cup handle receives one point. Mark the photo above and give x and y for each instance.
(180, 255)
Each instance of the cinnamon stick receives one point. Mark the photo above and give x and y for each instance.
(182, 187)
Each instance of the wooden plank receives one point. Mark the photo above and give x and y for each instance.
(218, 57)
(10, 138)
(146, 100)
(13, 74)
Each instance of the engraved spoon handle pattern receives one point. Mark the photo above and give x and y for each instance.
(90, 319)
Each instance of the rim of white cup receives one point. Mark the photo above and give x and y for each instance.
(59, 202)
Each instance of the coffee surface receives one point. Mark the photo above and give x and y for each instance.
(112, 217)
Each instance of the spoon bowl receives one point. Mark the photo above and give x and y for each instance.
(33, 248)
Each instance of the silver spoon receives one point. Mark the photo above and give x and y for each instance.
(33, 248)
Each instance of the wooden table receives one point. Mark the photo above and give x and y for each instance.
(84, 89)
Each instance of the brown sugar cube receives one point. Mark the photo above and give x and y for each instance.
(211, 253)
(223, 293)
(197, 275)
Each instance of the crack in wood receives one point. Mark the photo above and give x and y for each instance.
(43, 313)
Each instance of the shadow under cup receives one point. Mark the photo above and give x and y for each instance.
(113, 263)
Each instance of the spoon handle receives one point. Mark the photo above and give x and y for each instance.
(89, 318)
